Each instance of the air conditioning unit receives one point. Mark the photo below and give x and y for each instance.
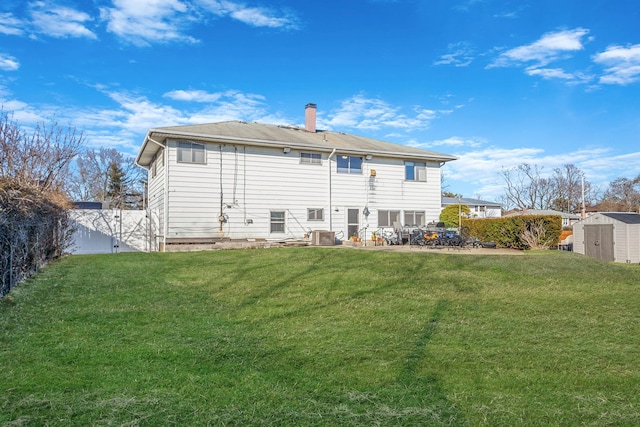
(323, 238)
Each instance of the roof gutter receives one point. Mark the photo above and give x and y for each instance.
(279, 144)
(144, 145)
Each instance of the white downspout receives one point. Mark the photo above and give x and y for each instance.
(165, 226)
(330, 194)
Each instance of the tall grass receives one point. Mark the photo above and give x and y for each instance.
(323, 337)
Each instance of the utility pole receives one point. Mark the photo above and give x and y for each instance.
(459, 214)
(584, 210)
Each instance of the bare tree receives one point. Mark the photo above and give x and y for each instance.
(525, 188)
(622, 195)
(107, 174)
(40, 158)
(567, 181)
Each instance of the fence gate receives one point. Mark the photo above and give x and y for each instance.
(598, 241)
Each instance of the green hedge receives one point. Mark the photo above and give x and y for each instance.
(506, 232)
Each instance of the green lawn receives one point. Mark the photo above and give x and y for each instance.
(323, 337)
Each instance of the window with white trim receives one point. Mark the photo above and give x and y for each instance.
(190, 152)
(415, 171)
(315, 214)
(154, 166)
(157, 162)
(414, 218)
(310, 158)
(349, 164)
(277, 220)
(386, 218)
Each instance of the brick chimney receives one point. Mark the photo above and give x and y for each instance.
(310, 118)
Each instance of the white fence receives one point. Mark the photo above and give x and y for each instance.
(107, 231)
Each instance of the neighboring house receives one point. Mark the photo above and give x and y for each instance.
(478, 208)
(609, 236)
(568, 219)
(237, 180)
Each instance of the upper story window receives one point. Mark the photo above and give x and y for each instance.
(190, 152)
(157, 162)
(415, 171)
(311, 158)
(154, 166)
(349, 164)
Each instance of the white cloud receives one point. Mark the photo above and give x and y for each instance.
(359, 112)
(22, 112)
(465, 6)
(622, 64)
(460, 55)
(126, 123)
(192, 95)
(454, 141)
(559, 73)
(143, 21)
(549, 48)
(482, 167)
(60, 21)
(10, 25)
(254, 16)
(8, 62)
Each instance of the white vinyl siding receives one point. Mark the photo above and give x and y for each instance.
(258, 180)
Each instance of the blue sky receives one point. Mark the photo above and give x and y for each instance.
(496, 83)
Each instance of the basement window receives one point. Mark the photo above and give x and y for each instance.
(277, 221)
(314, 214)
(190, 152)
(387, 218)
(414, 218)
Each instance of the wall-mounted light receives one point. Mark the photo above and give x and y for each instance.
(286, 150)
(368, 157)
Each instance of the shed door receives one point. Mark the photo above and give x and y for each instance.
(598, 241)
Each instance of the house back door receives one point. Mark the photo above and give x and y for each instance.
(353, 222)
(598, 241)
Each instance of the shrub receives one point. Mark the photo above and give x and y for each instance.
(518, 232)
(34, 229)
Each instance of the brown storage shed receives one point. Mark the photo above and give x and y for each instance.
(609, 236)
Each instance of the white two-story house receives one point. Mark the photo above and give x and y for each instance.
(237, 180)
